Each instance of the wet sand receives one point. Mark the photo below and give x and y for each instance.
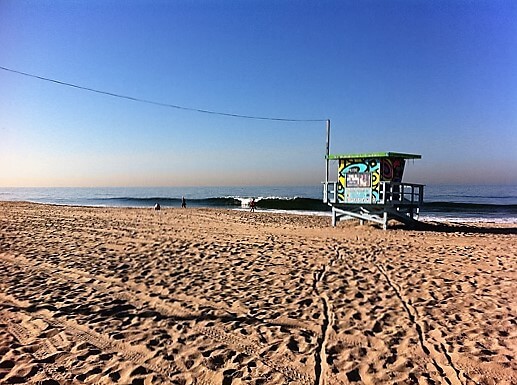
(199, 296)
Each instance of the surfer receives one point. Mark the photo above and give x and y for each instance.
(183, 203)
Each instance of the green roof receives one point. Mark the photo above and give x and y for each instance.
(375, 155)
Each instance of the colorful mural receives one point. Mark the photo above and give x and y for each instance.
(392, 169)
(358, 180)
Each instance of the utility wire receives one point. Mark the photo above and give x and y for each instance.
(159, 103)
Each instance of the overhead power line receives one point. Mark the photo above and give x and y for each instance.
(140, 100)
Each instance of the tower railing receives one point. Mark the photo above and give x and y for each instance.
(330, 192)
(394, 193)
(399, 193)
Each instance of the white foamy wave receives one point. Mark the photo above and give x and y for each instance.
(245, 201)
(506, 220)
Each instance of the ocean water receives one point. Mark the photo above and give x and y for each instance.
(453, 203)
(470, 203)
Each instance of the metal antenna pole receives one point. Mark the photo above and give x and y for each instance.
(327, 153)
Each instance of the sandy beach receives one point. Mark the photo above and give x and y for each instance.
(199, 296)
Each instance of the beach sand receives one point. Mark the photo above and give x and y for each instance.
(202, 296)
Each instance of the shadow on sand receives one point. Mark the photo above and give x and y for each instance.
(458, 228)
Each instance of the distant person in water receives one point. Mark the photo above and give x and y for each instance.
(157, 206)
(183, 203)
(252, 205)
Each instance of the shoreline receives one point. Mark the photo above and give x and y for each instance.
(427, 220)
(123, 295)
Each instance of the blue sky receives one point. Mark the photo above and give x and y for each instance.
(435, 78)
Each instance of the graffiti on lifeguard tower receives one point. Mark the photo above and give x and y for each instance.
(358, 180)
(369, 187)
(392, 169)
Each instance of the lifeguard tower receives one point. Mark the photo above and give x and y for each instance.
(369, 187)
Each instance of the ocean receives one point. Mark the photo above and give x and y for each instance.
(452, 203)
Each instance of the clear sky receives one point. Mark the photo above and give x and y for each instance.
(437, 78)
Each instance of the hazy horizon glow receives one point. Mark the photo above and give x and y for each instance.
(433, 78)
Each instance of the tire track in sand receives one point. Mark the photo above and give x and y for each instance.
(321, 366)
(28, 334)
(133, 294)
(137, 354)
(441, 360)
(280, 364)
